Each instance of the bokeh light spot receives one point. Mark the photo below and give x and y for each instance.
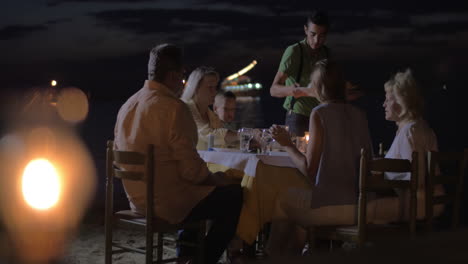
(72, 105)
(40, 184)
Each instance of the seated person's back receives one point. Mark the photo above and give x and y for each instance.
(185, 190)
(344, 134)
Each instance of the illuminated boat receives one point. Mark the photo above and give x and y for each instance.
(241, 84)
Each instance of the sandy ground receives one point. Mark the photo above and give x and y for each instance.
(88, 246)
(437, 247)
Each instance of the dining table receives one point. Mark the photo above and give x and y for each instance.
(264, 178)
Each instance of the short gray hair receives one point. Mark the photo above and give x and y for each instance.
(163, 59)
(405, 89)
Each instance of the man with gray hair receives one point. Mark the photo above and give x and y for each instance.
(185, 189)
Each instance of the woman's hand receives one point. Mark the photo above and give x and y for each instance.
(281, 135)
(255, 141)
(300, 92)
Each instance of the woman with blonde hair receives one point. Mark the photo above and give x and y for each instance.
(404, 106)
(199, 93)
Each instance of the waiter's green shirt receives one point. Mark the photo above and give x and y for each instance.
(290, 65)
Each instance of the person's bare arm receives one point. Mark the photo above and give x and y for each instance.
(307, 164)
(283, 138)
(278, 87)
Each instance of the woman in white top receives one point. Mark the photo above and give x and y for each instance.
(199, 94)
(404, 106)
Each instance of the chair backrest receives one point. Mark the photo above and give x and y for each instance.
(132, 159)
(371, 179)
(448, 169)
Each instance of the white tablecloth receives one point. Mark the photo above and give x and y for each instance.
(263, 183)
(246, 162)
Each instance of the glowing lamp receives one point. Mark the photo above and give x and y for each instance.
(48, 176)
(53, 83)
(47, 184)
(40, 184)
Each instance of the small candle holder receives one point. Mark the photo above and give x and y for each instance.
(302, 142)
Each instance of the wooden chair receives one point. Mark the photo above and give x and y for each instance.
(150, 223)
(448, 169)
(371, 180)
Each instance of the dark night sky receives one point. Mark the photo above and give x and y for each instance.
(102, 46)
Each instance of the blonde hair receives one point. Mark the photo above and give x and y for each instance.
(407, 94)
(194, 80)
(330, 83)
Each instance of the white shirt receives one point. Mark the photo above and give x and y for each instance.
(214, 126)
(154, 115)
(414, 136)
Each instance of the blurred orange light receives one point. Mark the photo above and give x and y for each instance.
(72, 105)
(40, 184)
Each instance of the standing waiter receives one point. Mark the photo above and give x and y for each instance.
(294, 71)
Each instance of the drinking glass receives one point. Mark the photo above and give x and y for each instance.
(245, 134)
(266, 141)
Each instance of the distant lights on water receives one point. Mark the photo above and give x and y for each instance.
(244, 87)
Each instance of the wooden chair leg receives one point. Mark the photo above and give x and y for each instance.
(311, 239)
(331, 245)
(149, 248)
(201, 244)
(160, 247)
(108, 243)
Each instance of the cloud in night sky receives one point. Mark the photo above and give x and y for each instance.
(19, 31)
(58, 2)
(228, 35)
